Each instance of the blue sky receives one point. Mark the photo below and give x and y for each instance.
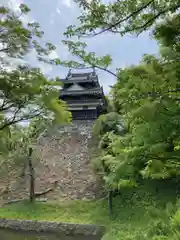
(55, 15)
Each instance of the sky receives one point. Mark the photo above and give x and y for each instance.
(55, 15)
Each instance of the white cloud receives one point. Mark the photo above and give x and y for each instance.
(58, 11)
(26, 19)
(68, 3)
(45, 68)
(14, 4)
(53, 54)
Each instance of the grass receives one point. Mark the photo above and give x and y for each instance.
(132, 218)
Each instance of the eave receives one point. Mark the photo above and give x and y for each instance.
(70, 81)
(94, 91)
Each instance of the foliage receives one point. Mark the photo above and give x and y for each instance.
(146, 99)
(108, 122)
(25, 93)
(17, 39)
(15, 146)
(109, 129)
(85, 59)
(121, 17)
(118, 17)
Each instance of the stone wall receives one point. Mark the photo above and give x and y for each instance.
(64, 156)
(66, 229)
(67, 151)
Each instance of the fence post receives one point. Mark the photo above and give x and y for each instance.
(32, 177)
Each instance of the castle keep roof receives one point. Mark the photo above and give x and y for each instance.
(83, 94)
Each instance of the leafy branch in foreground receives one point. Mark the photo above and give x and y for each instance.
(25, 93)
(87, 59)
(17, 38)
(120, 16)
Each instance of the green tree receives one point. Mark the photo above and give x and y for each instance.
(110, 122)
(25, 93)
(17, 39)
(146, 97)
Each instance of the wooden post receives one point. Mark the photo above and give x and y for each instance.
(32, 177)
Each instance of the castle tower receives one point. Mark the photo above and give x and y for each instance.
(83, 95)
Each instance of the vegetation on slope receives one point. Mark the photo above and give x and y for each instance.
(146, 97)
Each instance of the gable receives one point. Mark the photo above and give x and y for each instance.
(75, 87)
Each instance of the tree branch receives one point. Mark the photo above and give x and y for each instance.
(94, 66)
(144, 26)
(98, 67)
(3, 104)
(14, 120)
(4, 50)
(2, 29)
(4, 107)
(121, 21)
(141, 27)
(106, 70)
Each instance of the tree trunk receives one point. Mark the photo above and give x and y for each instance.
(32, 177)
